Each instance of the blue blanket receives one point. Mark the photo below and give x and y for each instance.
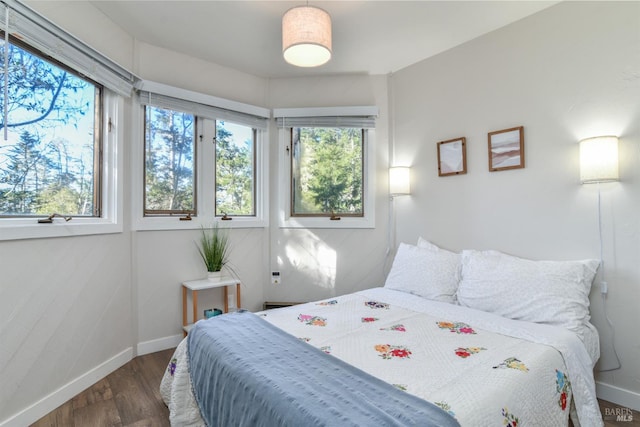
(246, 372)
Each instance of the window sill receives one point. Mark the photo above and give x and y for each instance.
(325, 222)
(174, 223)
(18, 229)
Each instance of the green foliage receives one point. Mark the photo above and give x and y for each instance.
(169, 166)
(59, 199)
(46, 165)
(234, 170)
(214, 248)
(327, 171)
(169, 169)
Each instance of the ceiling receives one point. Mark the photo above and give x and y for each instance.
(374, 37)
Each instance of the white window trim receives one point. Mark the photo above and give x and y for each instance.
(205, 208)
(112, 188)
(285, 220)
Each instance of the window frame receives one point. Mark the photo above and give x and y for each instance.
(286, 220)
(44, 36)
(97, 129)
(205, 155)
(351, 116)
(255, 171)
(180, 213)
(111, 189)
(291, 178)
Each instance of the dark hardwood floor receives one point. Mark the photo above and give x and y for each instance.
(130, 397)
(611, 412)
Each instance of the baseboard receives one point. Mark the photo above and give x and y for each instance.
(159, 344)
(268, 305)
(617, 395)
(48, 403)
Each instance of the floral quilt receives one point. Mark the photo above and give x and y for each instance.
(481, 377)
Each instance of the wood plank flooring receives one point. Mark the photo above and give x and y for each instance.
(130, 397)
(610, 412)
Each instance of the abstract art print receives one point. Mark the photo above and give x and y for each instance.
(452, 157)
(506, 149)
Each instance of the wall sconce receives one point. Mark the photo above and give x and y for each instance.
(399, 181)
(599, 159)
(599, 163)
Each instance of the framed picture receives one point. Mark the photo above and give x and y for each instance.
(506, 149)
(452, 157)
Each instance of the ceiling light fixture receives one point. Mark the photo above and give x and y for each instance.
(306, 36)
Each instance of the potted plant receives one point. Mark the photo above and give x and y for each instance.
(214, 249)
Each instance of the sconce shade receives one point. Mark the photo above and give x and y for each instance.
(599, 159)
(306, 36)
(399, 180)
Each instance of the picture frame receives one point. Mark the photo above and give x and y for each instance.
(452, 157)
(506, 149)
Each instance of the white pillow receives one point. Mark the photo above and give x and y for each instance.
(424, 243)
(551, 292)
(431, 273)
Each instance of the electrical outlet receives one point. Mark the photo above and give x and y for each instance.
(276, 279)
(604, 288)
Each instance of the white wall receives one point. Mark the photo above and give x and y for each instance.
(65, 309)
(569, 72)
(318, 263)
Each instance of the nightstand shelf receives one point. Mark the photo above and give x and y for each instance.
(203, 284)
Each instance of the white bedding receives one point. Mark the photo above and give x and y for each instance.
(483, 369)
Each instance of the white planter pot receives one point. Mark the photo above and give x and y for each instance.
(214, 275)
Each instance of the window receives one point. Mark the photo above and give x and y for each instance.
(326, 171)
(235, 170)
(169, 165)
(204, 159)
(49, 161)
(327, 167)
(63, 147)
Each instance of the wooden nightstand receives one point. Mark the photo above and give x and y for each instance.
(202, 284)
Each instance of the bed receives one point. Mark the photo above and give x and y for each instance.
(477, 338)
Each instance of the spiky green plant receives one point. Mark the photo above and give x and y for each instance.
(214, 248)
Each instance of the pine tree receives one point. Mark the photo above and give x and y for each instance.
(234, 174)
(43, 100)
(169, 160)
(329, 165)
(20, 178)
